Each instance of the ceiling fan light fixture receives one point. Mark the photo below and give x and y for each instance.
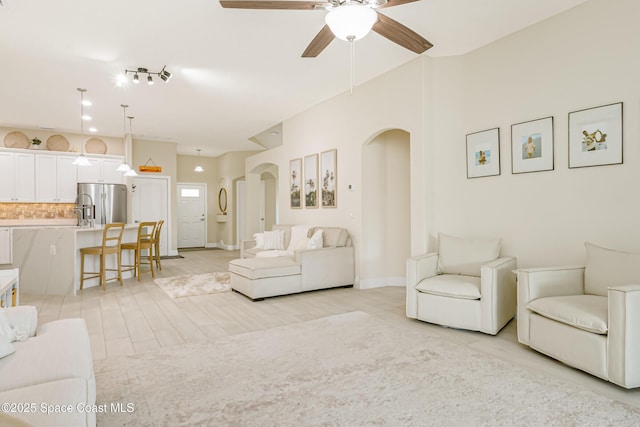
(351, 21)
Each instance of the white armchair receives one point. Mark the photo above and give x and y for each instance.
(587, 317)
(465, 285)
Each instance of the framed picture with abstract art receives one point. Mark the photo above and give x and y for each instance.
(329, 178)
(483, 153)
(311, 181)
(295, 180)
(532, 146)
(595, 136)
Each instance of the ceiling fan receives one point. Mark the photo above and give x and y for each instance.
(353, 12)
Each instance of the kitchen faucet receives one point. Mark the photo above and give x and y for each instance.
(84, 212)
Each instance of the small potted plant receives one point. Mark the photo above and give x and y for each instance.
(35, 143)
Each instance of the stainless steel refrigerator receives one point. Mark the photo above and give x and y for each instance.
(109, 201)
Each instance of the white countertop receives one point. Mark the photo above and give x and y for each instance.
(37, 222)
(55, 225)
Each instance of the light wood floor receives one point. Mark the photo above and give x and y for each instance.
(140, 317)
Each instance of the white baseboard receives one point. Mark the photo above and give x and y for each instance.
(172, 253)
(380, 282)
(221, 246)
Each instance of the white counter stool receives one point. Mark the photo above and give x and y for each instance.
(146, 233)
(111, 242)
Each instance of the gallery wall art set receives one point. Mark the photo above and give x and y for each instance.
(595, 139)
(313, 181)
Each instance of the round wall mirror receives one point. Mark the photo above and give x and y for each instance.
(222, 200)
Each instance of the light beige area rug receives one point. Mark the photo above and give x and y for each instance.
(346, 370)
(191, 285)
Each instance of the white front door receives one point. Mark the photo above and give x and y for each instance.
(151, 203)
(192, 215)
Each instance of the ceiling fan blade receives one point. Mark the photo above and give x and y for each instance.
(270, 4)
(398, 33)
(390, 3)
(319, 43)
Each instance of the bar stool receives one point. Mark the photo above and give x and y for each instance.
(146, 232)
(156, 244)
(111, 243)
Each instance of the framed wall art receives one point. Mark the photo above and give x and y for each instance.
(311, 181)
(329, 178)
(595, 136)
(532, 146)
(483, 153)
(295, 181)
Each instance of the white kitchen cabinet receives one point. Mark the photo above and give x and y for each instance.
(17, 175)
(5, 246)
(102, 170)
(55, 178)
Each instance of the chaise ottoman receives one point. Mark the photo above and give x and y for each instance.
(260, 278)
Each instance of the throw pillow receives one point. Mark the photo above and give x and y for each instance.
(259, 238)
(6, 329)
(274, 240)
(315, 242)
(298, 232)
(608, 267)
(6, 348)
(466, 256)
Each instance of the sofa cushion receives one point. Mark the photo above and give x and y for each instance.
(60, 350)
(333, 236)
(6, 330)
(23, 319)
(586, 312)
(608, 267)
(465, 256)
(260, 268)
(274, 240)
(451, 285)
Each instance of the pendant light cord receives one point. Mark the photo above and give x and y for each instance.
(352, 51)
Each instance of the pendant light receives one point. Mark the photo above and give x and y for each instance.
(124, 166)
(81, 160)
(130, 172)
(198, 168)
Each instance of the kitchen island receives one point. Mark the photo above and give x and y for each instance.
(49, 257)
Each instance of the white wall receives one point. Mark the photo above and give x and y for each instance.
(583, 58)
(346, 123)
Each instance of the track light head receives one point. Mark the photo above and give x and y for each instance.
(149, 79)
(136, 79)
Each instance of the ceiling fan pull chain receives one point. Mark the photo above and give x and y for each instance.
(352, 49)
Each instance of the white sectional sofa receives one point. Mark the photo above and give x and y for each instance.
(307, 258)
(48, 379)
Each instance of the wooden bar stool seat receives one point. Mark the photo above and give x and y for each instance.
(111, 243)
(146, 232)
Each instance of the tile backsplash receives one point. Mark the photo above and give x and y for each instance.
(37, 211)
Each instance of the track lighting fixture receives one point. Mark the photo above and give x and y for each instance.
(163, 74)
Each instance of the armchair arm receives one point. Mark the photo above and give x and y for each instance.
(498, 290)
(246, 244)
(418, 268)
(534, 283)
(623, 344)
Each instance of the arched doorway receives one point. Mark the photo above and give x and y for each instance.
(386, 209)
(259, 208)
